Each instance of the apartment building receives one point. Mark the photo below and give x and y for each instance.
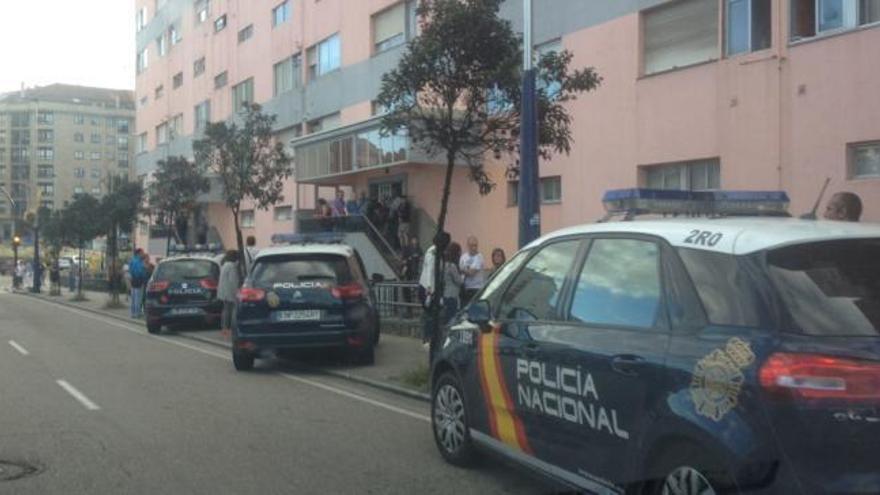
(697, 94)
(60, 140)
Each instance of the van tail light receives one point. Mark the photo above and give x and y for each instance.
(348, 292)
(158, 286)
(818, 377)
(208, 283)
(250, 294)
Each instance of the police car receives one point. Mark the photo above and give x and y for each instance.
(183, 290)
(684, 355)
(310, 294)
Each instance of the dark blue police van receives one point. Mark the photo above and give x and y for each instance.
(675, 356)
(183, 291)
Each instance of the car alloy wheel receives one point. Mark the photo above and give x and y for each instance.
(687, 481)
(449, 421)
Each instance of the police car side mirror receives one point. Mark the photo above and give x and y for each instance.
(480, 313)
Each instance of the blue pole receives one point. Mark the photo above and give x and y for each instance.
(529, 200)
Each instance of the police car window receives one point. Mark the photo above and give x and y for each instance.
(830, 288)
(728, 292)
(302, 268)
(619, 284)
(534, 294)
(187, 270)
(492, 292)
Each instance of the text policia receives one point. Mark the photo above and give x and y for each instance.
(565, 393)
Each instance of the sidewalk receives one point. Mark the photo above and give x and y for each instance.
(401, 362)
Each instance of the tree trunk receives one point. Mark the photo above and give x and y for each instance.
(242, 269)
(436, 306)
(79, 283)
(114, 276)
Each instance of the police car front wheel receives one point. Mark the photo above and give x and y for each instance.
(450, 421)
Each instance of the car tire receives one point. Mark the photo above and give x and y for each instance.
(154, 328)
(686, 469)
(450, 423)
(243, 361)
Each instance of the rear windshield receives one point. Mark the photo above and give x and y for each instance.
(187, 270)
(302, 268)
(830, 288)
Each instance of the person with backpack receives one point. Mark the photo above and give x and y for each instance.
(138, 272)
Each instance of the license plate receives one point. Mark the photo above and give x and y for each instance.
(304, 315)
(185, 311)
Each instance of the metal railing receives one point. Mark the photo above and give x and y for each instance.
(353, 223)
(398, 300)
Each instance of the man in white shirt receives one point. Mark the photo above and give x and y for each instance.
(473, 268)
(426, 283)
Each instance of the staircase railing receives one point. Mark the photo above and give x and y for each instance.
(354, 223)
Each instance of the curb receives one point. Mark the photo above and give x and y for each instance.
(387, 387)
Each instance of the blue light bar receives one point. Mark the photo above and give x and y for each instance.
(319, 238)
(195, 248)
(696, 203)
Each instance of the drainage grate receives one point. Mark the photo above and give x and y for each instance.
(10, 470)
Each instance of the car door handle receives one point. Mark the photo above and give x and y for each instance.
(627, 364)
(531, 350)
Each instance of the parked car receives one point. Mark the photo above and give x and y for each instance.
(183, 290)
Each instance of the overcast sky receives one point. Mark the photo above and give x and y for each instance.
(86, 42)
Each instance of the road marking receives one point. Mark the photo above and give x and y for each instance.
(15, 345)
(228, 358)
(79, 396)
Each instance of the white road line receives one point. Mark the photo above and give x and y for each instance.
(15, 345)
(227, 357)
(79, 396)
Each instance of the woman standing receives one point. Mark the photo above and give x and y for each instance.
(228, 289)
(498, 259)
(452, 281)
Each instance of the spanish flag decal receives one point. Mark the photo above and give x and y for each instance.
(505, 425)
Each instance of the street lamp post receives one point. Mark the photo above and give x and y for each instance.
(529, 202)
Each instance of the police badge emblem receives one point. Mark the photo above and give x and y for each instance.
(273, 300)
(717, 379)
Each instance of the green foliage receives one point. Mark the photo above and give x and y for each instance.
(174, 193)
(121, 205)
(81, 220)
(54, 230)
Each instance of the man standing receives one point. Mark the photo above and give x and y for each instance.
(338, 206)
(472, 266)
(427, 285)
(138, 273)
(250, 252)
(844, 206)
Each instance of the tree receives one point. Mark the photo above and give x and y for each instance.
(119, 208)
(251, 164)
(174, 193)
(456, 91)
(81, 220)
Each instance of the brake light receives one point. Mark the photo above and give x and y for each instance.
(208, 283)
(818, 377)
(250, 294)
(348, 292)
(158, 286)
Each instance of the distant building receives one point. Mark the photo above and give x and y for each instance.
(60, 140)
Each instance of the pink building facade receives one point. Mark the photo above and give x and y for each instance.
(696, 94)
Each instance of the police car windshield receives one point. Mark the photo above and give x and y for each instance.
(302, 268)
(830, 288)
(187, 270)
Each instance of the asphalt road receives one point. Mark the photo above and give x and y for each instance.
(97, 406)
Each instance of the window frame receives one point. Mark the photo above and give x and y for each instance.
(851, 149)
(281, 7)
(750, 29)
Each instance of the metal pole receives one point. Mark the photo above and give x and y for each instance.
(529, 201)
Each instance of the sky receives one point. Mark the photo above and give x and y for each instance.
(85, 42)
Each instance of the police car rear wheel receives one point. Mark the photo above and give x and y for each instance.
(154, 328)
(243, 361)
(686, 469)
(449, 418)
(686, 480)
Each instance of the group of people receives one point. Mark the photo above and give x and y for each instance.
(392, 216)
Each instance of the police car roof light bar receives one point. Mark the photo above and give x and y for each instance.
(316, 238)
(633, 202)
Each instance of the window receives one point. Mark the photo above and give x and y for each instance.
(122, 163)
(96, 138)
(202, 115)
(123, 126)
(550, 191)
(246, 33)
(287, 74)
(162, 133)
(281, 13)
(864, 160)
(728, 291)
(619, 284)
(174, 34)
(21, 119)
(242, 94)
(202, 9)
(688, 176)
(389, 28)
(679, 34)
(96, 156)
(141, 19)
(199, 67)
(109, 140)
(324, 57)
(325, 123)
(160, 91)
(96, 190)
(814, 17)
(534, 294)
(79, 172)
(45, 117)
(122, 142)
(220, 23)
(247, 219)
(78, 190)
(45, 135)
(96, 173)
(283, 213)
(162, 45)
(22, 138)
(79, 155)
(47, 189)
(220, 80)
(46, 154)
(177, 81)
(141, 146)
(175, 129)
(748, 26)
(45, 172)
(94, 120)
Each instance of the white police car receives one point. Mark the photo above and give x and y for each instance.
(683, 355)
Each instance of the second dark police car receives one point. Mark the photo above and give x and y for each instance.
(310, 294)
(679, 356)
(183, 290)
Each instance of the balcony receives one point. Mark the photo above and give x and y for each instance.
(327, 157)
